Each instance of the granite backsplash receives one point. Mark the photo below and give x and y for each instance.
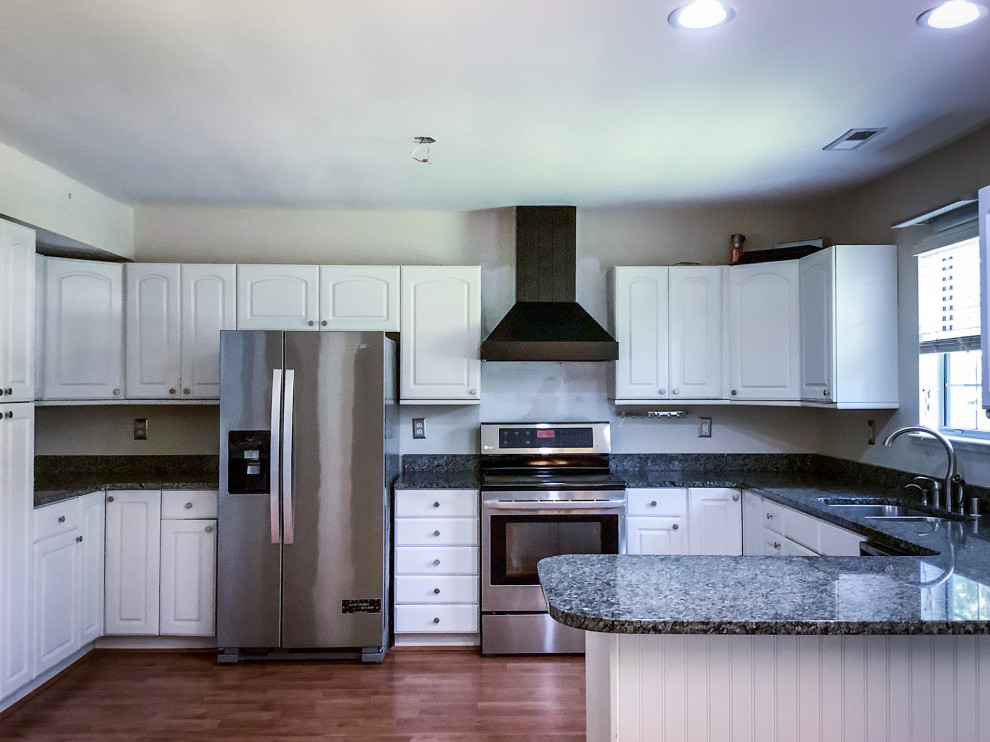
(58, 472)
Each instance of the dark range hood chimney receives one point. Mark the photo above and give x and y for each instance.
(546, 323)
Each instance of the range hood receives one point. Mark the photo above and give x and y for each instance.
(546, 323)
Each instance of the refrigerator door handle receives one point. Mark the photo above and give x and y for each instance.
(287, 519)
(274, 478)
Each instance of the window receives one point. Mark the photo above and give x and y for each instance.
(950, 357)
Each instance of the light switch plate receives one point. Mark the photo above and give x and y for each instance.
(419, 427)
(704, 427)
(140, 428)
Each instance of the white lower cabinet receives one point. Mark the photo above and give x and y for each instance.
(436, 565)
(684, 521)
(92, 527)
(161, 563)
(772, 529)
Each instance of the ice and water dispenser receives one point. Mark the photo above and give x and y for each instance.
(249, 458)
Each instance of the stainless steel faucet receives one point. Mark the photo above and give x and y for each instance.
(951, 493)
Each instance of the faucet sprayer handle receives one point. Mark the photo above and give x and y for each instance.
(923, 491)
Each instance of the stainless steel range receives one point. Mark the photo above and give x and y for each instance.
(546, 490)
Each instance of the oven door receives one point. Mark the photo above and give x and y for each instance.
(516, 535)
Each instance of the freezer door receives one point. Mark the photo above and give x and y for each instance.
(333, 573)
(249, 538)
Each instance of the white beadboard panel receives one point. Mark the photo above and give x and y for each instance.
(689, 688)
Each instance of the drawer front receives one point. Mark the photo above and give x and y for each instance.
(436, 619)
(666, 502)
(436, 531)
(436, 503)
(433, 590)
(772, 516)
(801, 528)
(52, 520)
(436, 560)
(189, 505)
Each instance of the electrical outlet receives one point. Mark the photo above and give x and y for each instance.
(140, 428)
(871, 436)
(704, 427)
(419, 427)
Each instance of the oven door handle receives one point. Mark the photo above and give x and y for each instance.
(608, 505)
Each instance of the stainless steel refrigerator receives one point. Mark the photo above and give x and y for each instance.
(308, 451)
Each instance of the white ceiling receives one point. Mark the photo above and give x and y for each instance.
(597, 103)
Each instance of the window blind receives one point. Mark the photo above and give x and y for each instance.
(949, 298)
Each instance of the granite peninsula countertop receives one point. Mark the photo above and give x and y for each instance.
(947, 592)
(51, 496)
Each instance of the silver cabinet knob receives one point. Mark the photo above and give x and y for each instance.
(733, 392)
(78, 539)
(116, 392)
(676, 391)
(323, 323)
(436, 504)
(472, 392)
(110, 498)
(172, 390)
(1, 392)
(735, 498)
(436, 533)
(653, 503)
(675, 526)
(436, 620)
(436, 562)
(436, 591)
(311, 323)
(10, 390)
(825, 392)
(661, 391)
(10, 415)
(186, 391)
(188, 506)
(61, 519)
(209, 529)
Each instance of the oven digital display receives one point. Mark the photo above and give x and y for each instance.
(509, 438)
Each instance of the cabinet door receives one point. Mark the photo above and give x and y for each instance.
(656, 535)
(132, 562)
(83, 329)
(817, 358)
(151, 330)
(17, 312)
(278, 297)
(641, 328)
(753, 539)
(441, 333)
(39, 326)
(56, 575)
(764, 331)
(189, 577)
(208, 306)
(715, 519)
(92, 531)
(359, 297)
(16, 512)
(696, 332)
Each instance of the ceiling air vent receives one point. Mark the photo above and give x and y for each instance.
(854, 138)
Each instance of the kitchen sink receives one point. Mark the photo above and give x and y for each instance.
(881, 511)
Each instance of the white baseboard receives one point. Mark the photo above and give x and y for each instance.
(47, 675)
(437, 640)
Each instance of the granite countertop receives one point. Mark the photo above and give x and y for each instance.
(51, 496)
(947, 592)
(440, 480)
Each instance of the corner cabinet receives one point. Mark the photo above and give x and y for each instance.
(17, 312)
(440, 340)
(668, 321)
(84, 330)
(849, 326)
(764, 332)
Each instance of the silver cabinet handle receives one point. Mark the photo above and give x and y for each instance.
(675, 526)
(472, 392)
(116, 392)
(436, 562)
(735, 498)
(10, 415)
(769, 516)
(436, 620)
(172, 390)
(78, 539)
(61, 519)
(776, 544)
(436, 533)
(1, 392)
(10, 390)
(110, 498)
(209, 529)
(653, 503)
(436, 591)
(311, 323)
(436, 504)
(825, 392)
(186, 391)
(676, 391)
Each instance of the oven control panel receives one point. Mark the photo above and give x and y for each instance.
(543, 437)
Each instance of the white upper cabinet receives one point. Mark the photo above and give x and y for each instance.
(278, 297)
(83, 329)
(359, 297)
(440, 341)
(640, 298)
(764, 332)
(696, 332)
(39, 326)
(208, 299)
(849, 326)
(17, 312)
(668, 322)
(984, 212)
(152, 330)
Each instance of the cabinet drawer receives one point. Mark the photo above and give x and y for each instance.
(801, 528)
(189, 504)
(668, 502)
(52, 520)
(439, 589)
(436, 619)
(439, 560)
(436, 503)
(772, 516)
(436, 531)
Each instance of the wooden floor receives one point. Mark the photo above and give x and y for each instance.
(413, 696)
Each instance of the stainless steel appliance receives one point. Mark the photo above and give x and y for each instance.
(307, 453)
(546, 490)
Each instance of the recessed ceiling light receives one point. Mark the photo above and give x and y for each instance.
(701, 14)
(952, 14)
